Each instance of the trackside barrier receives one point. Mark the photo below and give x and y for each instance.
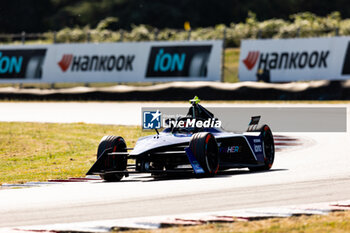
(112, 62)
(288, 60)
(316, 90)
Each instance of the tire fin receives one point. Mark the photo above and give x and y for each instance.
(194, 163)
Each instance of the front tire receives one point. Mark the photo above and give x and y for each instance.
(204, 147)
(119, 163)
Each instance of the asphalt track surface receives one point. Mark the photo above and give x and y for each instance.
(319, 171)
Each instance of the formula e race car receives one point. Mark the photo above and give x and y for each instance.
(187, 146)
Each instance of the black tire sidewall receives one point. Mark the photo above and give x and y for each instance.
(267, 135)
(113, 144)
(266, 132)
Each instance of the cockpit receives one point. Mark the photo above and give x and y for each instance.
(197, 119)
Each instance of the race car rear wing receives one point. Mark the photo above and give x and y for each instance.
(253, 124)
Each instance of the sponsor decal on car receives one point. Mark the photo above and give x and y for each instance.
(230, 149)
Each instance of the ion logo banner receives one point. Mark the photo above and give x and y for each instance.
(178, 61)
(21, 63)
(288, 60)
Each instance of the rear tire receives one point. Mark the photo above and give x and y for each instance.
(204, 147)
(268, 149)
(119, 163)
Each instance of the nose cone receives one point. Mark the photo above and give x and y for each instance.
(147, 143)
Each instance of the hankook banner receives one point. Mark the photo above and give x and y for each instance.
(112, 62)
(285, 60)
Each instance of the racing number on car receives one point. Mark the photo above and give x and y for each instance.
(257, 148)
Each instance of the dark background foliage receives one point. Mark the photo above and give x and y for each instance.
(46, 15)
